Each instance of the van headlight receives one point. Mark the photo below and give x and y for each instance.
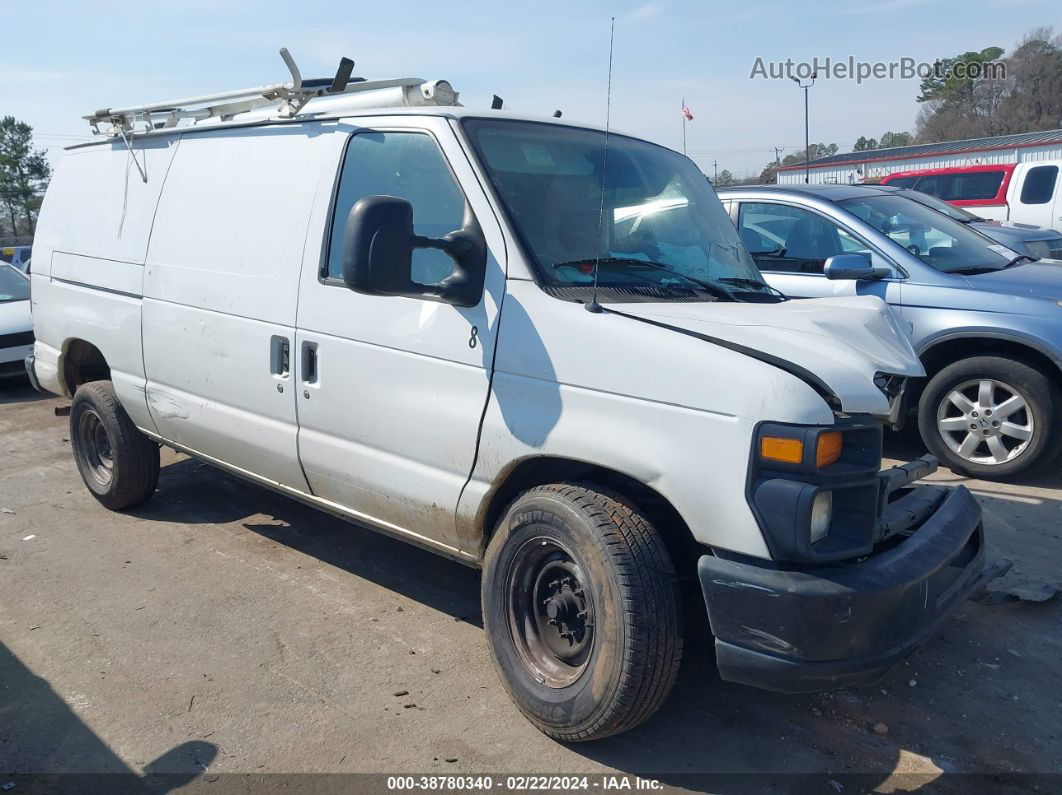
(814, 489)
(821, 514)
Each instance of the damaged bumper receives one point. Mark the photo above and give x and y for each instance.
(847, 624)
(31, 372)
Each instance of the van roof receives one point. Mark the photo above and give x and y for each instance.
(309, 115)
(292, 101)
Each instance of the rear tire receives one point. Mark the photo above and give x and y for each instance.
(118, 463)
(989, 417)
(582, 611)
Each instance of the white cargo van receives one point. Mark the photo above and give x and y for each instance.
(376, 301)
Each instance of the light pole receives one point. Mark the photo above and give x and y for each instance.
(807, 142)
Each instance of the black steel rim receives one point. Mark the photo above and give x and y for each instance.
(96, 446)
(551, 612)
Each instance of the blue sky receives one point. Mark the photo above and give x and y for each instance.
(62, 60)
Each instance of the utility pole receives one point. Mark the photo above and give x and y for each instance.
(715, 165)
(807, 140)
(778, 155)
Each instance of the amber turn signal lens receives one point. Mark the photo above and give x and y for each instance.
(788, 451)
(828, 449)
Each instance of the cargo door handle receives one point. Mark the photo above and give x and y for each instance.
(279, 356)
(309, 362)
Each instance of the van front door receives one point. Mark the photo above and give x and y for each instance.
(391, 390)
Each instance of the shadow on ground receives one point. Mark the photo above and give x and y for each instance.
(191, 492)
(715, 736)
(36, 724)
(18, 390)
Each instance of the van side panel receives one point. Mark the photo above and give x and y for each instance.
(88, 273)
(97, 205)
(220, 293)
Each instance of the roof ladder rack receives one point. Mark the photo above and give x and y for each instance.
(287, 98)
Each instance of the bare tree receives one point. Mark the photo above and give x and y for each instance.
(1034, 96)
(1028, 98)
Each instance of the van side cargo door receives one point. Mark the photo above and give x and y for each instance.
(220, 295)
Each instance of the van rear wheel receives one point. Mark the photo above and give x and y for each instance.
(582, 611)
(990, 417)
(118, 463)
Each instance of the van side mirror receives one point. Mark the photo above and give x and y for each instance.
(855, 267)
(378, 246)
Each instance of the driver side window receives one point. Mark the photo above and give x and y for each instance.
(410, 166)
(786, 239)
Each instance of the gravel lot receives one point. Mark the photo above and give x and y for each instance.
(222, 629)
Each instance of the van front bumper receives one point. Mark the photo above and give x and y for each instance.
(846, 624)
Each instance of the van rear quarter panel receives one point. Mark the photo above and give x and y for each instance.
(90, 246)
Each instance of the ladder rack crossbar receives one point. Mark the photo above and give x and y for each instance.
(239, 101)
(289, 98)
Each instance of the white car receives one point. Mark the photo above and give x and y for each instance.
(16, 323)
(477, 332)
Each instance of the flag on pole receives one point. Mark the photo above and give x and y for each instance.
(686, 112)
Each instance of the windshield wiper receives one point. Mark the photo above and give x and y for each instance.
(741, 281)
(1018, 260)
(972, 270)
(714, 289)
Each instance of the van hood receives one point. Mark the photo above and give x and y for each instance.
(838, 345)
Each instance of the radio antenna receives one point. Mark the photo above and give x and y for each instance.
(594, 306)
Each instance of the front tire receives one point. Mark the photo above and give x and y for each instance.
(990, 417)
(582, 611)
(118, 463)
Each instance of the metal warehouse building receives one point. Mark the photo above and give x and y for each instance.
(872, 165)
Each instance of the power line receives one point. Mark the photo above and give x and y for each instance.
(748, 150)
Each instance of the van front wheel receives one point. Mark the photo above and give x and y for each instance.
(582, 611)
(118, 463)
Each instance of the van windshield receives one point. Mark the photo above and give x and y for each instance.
(945, 244)
(13, 285)
(643, 215)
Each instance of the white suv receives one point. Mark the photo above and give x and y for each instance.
(383, 312)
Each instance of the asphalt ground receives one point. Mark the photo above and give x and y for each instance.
(222, 636)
